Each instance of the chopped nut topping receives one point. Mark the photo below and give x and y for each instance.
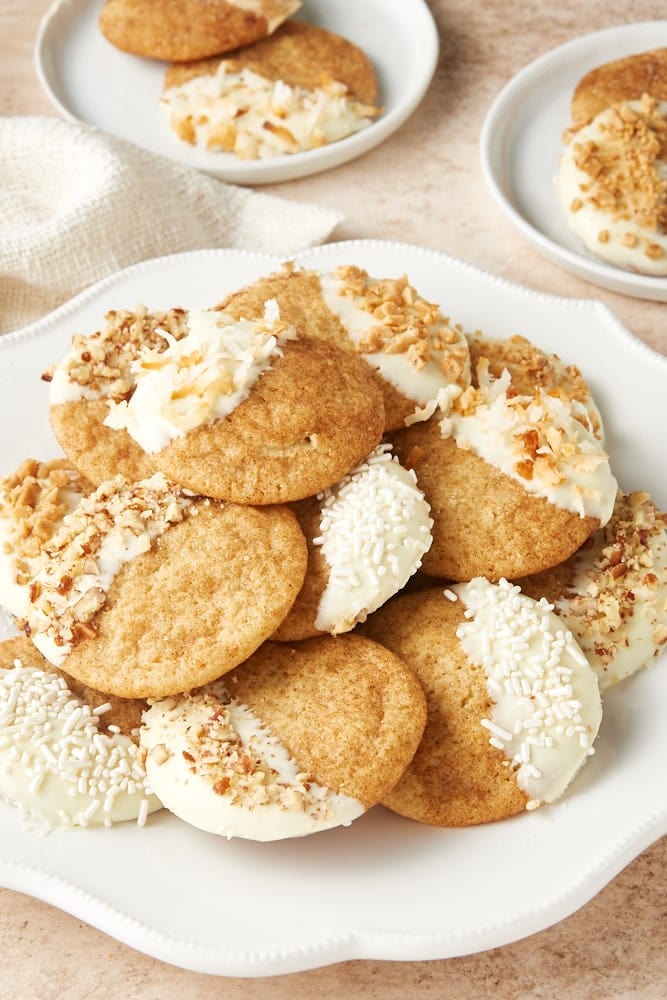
(33, 499)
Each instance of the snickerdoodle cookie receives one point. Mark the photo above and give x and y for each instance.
(612, 593)
(144, 590)
(500, 674)
(190, 29)
(299, 89)
(299, 738)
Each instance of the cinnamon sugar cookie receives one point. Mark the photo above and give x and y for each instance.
(97, 370)
(297, 739)
(612, 593)
(366, 536)
(625, 79)
(612, 183)
(500, 674)
(190, 29)
(145, 591)
(512, 479)
(63, 761)
(302, 88)
(413, 350)
(249, 411)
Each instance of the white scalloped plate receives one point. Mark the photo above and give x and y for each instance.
(386, 888)
(520, 148)
(87, 79)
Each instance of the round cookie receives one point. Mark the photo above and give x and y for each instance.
(411, 348)
(625, 79)
(513, 478)
(97, 369)
(366, 537)
(190, 29)
(612, 593)
(297, 739)
(300, 89)
(63, 762)
(484, 522)
(493, 744)
(33, 501)
(309, 417)
(612, 184)
(119, 714)
(170, 591)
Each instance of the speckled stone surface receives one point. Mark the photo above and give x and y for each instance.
(422, 186)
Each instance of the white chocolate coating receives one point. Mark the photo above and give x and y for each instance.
(213, 764)
(546, 701)
(55, 763)
(375, 528)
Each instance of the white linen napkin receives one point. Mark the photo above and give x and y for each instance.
(77, 205)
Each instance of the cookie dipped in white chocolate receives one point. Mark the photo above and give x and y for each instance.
(612, 593)
(612, 183)
(57, 765)
(408, 340)
(546, 708)
(215, 766)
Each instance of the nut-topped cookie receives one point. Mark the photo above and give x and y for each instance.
(413, 349)
(299, 738)
(145, 591)
(612, 593)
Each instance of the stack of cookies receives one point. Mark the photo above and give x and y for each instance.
(245, 77)
(273, 581)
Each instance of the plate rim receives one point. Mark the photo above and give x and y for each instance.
(286, 167)
(368, 944)
(494, 128)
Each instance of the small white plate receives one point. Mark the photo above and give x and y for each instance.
(521, 145)
(386, 888)
(89, 80)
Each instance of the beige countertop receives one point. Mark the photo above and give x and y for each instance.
(422, 186)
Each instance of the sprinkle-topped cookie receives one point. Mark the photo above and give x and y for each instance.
(546, 707)
(56, 762)
(612, 183)
(366, 536)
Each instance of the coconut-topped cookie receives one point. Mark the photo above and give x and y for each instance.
(97, 371)
(300, 89)
(143, 590)
(298, 739)
(513, 705)
(612, 183)
(513, 479)
(60, 763)
(190, 29)
(612, 593)
(413, 350)
(366, 537)
(33, 501)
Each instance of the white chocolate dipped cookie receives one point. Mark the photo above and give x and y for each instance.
(413, 349)
(60, 764)
(513, 479)
(366, 537)
(145, 591)
(513, 705)
(301, 89)
(612, 183)
(33, 501)
(289, 413)
(612, 593)
(292, 742)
